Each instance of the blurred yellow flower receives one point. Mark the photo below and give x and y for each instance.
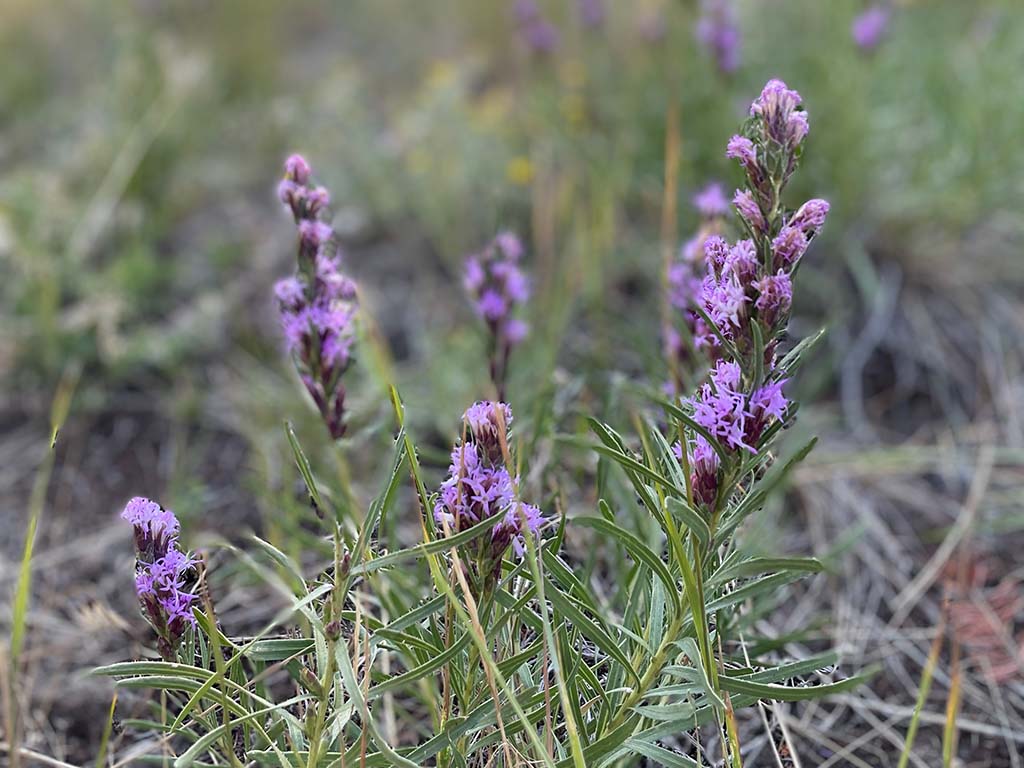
(574, 110)
(441, 75)
(418, 161)
(519, 170)
(494, 106)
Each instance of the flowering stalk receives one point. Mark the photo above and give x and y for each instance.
(497, 286)
(480, 487)
(745, 298)
(686, 331)
(165, 577)
(318, 303)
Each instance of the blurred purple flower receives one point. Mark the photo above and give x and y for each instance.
(711, 201)
(498, 287)
(870, 27)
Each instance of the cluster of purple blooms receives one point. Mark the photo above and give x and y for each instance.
(318, 303)
(497, 286)
(164, 575)
(685, 277)
(718, 31)
(747, 291)
(869, 27)
(480, 487)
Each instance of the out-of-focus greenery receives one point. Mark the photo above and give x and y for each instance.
(142, 141)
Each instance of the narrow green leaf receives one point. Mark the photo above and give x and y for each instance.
(589, 628)
(638, 549)
(691, 518)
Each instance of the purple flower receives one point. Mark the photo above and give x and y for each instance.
(748, 208)
(488, 424)
(509, 244)
(766, 405)
(716, 251)
(683, 284)
(704, 464)
(721, 409)
(492, 306)
(314, 233)
(724, 300)
(788, 246)
(479, 487)
(289, 291)
(741, 148)
(741, 263)
(810, 217)
(317, 198)
(778, 107)
(718, 31)
(516, 330)
(520, 521)
(711, 202)
(775, 296)
(297, 169)
(870, 27)
(156, 529)
(290, 193)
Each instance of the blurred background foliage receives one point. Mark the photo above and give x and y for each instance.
(142, 140)
(140, 234)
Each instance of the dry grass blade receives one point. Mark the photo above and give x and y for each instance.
(22, 591)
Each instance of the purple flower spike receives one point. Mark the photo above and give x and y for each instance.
(164, 575)
(498, 287)
(318, 305)
(479, 487)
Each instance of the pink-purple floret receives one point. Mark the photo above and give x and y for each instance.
(479, 486)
